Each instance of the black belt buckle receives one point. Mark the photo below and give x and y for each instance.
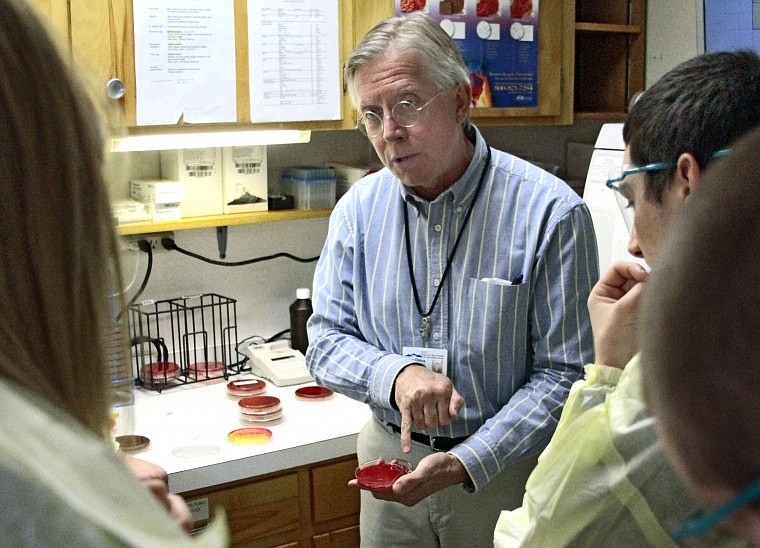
(435, 440)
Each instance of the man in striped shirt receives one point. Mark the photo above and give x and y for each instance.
(450, 297)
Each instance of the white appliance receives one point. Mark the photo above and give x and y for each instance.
(279, 363)
(611, 232)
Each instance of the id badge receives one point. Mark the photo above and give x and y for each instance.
(434, 359)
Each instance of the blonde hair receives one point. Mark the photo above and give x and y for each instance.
(58, 257)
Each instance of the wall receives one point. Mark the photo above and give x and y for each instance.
(666, 20)
(265, 290)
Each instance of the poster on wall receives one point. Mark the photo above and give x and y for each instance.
(499, 43)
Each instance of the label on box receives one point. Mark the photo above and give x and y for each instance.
(244, 174)
(200, 172)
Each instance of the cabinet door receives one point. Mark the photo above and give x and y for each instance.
(102, 44)
(260, 508)
(343, 538)
(332, 498)
(55, 12)
(555, 63)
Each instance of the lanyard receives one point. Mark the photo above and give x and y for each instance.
(425, 329)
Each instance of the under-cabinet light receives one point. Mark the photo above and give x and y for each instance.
(168, 141)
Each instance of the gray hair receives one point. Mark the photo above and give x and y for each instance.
(439, 55)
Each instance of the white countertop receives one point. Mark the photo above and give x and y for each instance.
(188, 426)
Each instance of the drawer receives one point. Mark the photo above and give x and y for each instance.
(331, 496)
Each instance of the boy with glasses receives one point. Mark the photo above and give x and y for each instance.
(450, 297)
(700, 346)
(604, 480)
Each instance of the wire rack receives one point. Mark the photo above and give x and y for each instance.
(184, 340)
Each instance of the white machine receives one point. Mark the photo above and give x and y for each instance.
(279, 363)
(611, 232)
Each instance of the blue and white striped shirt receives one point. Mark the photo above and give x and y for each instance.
(513, 350)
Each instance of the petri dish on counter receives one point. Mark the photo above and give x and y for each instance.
(313, 392)
(381, 474)
(249, 436)
(130, 443)
(249, 418)
(259, 404)
(195, 451)
(246, 387)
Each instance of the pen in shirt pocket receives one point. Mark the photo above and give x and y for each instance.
(515, 281)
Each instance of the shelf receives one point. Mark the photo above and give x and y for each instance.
(608, 27)
(231, 219)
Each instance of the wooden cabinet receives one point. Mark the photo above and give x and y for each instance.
(610, 39)
(306, 506)
(555, 63)
(100, 35)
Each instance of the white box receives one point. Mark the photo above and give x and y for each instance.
(156, 191)
(130, 211)
(244, 179)
(164, 212)
(200, 172)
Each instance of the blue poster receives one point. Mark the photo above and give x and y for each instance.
(499, 42)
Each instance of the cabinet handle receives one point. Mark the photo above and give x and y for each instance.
(115, 88)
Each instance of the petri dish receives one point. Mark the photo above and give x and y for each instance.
(157, 374)
(213, 368)
(194, 451)
(314, 392)
(381, 474)
(259, 403)
(246, 387)
(249, 436)
(130, 443)
(247, 418)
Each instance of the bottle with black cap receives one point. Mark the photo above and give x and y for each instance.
(300, 311)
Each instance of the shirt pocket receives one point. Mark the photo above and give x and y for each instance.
(493, 328)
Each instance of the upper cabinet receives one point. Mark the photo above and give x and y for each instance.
(555, 62)
(100, 35)
(610, 39)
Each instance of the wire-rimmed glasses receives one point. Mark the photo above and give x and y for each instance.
(404, 113)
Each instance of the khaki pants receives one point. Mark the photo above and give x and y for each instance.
(449, 518)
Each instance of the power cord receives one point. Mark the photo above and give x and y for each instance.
(170, 245)
(144, 246)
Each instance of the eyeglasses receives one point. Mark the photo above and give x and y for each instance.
(617, 175)
(404, 114)
(701, 523)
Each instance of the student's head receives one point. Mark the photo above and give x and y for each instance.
(700, 340)
(58, 242)
(676, 126)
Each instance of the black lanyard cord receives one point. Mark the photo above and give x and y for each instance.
(453, 250)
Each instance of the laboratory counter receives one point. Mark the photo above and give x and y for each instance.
(290, 487)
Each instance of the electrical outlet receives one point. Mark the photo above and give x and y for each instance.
(129, 242)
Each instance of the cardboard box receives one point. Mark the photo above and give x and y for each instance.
(156, 191)
(244, 179)
(200, 172)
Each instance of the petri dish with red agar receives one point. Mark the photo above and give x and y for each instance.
(259, 404)
(381, 474)
(246, 387)
(313, 392)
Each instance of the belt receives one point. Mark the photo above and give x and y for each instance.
(436, 443)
